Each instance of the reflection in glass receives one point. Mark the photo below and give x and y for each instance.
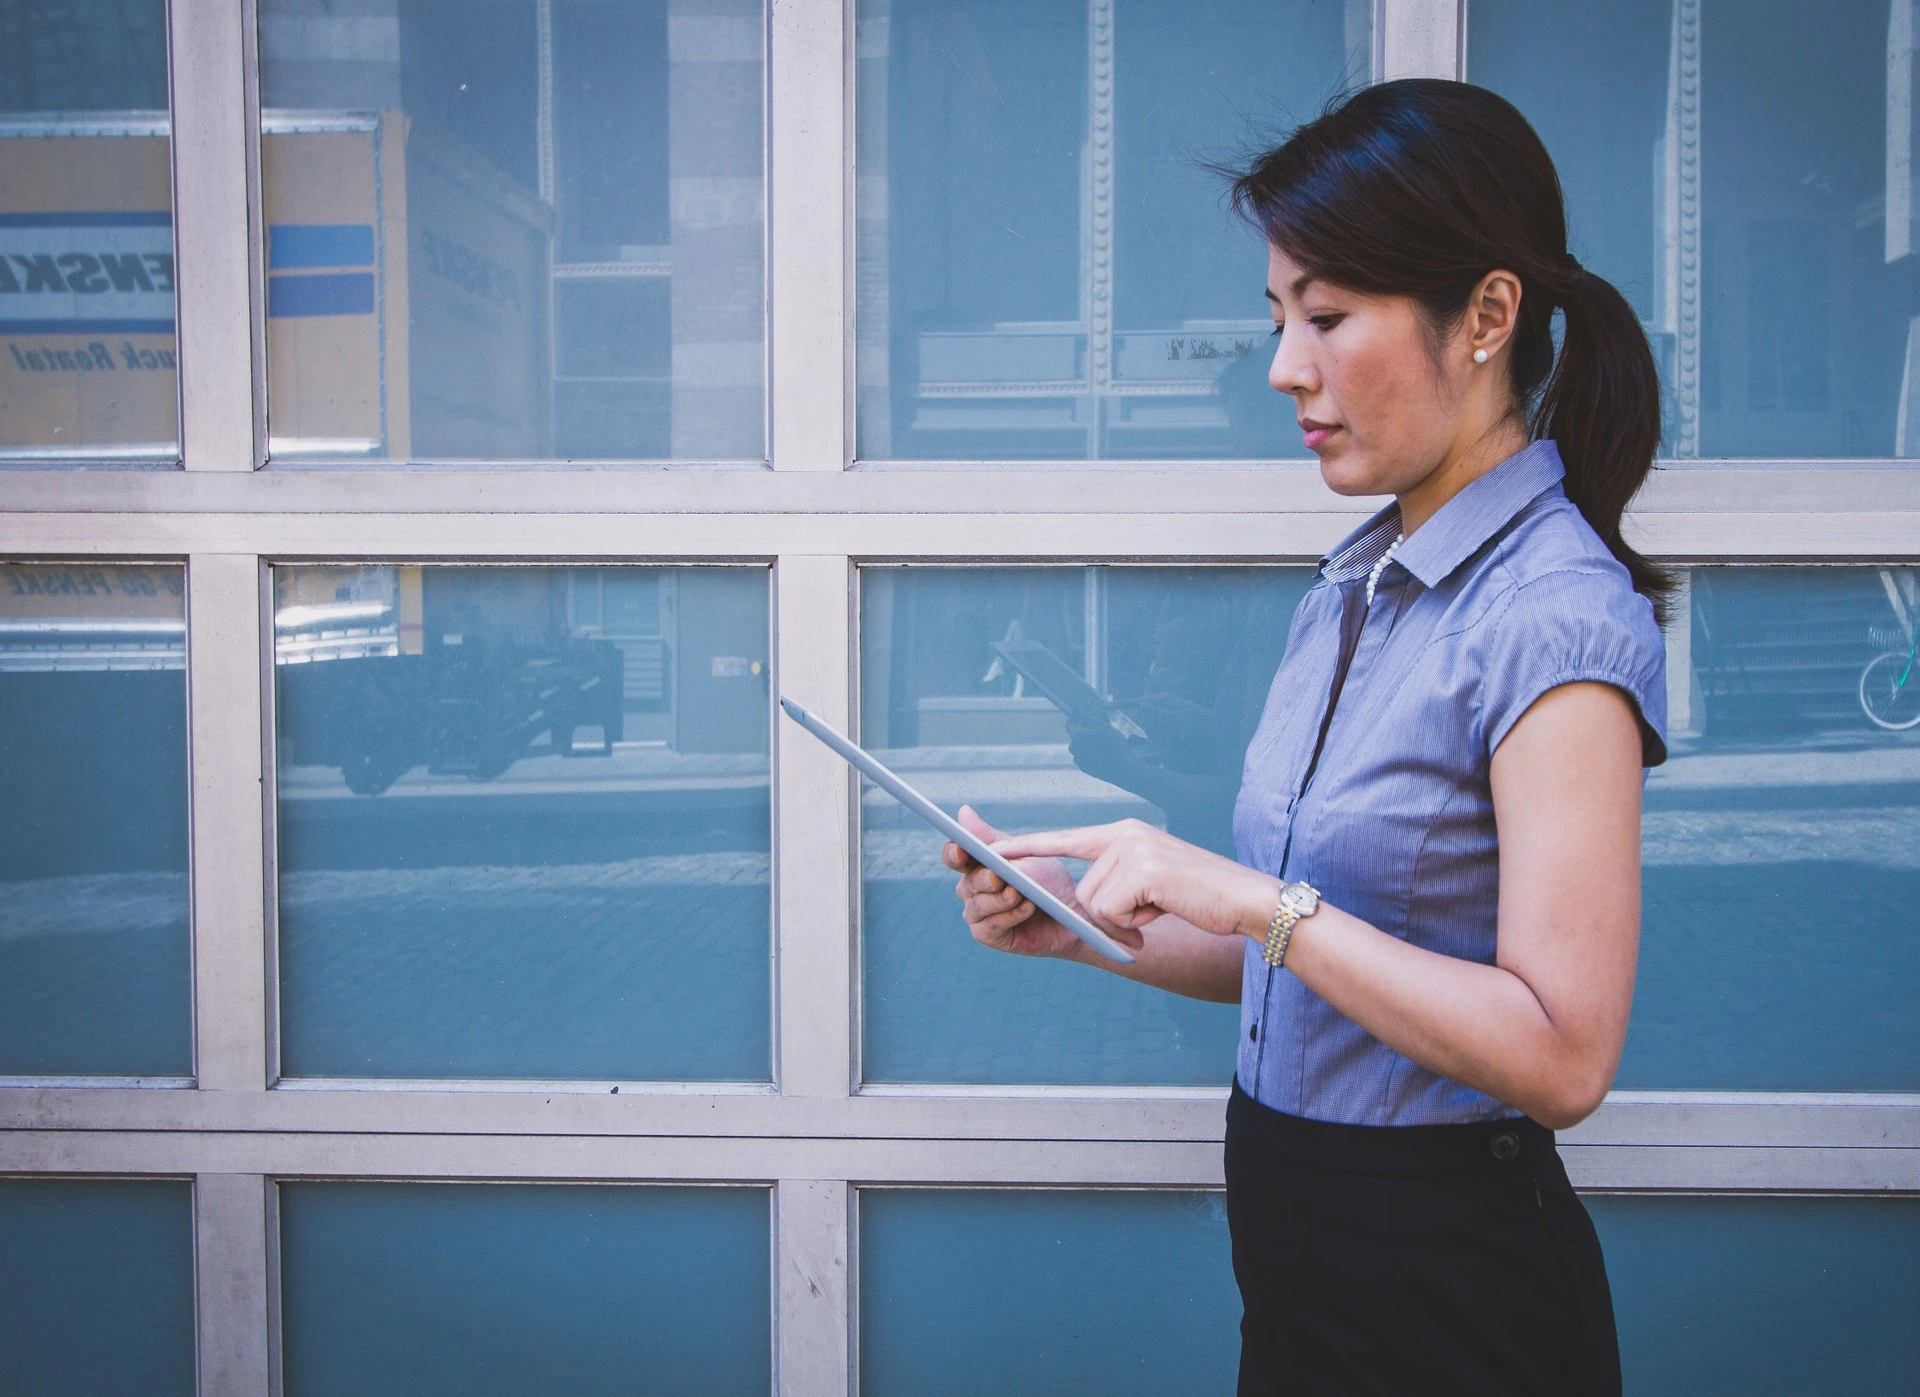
(938, 1315)
(1782, 839)
(523, 822)
(1048, 697)
(1726, 1297)
(96, 1287)
(419, 1290)
(1046, 268)
(1744, 174)
(512, 229)
(94, 955)
(86, 233)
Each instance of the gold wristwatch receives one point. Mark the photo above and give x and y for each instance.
(1297, 900)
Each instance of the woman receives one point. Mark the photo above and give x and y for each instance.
(1432, 924)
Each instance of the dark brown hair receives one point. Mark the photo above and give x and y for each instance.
(1421, 187)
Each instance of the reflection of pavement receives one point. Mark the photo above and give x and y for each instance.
(940, 1008)
(565, 928)
(1856, 764)
(649, 969)
(94, 976)
(597, 917)
(92, 902)
(1741, 985)
(544, 772)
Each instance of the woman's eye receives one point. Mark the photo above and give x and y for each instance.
(1324, 322)
(1276, 332)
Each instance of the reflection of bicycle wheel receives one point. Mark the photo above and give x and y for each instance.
(1890, 690)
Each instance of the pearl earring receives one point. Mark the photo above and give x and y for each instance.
(1479, 356)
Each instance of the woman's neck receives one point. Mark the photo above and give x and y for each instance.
(1463, 465)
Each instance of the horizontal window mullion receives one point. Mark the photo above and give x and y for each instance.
(1109, 1164)
(1251, 536)
(1629, 1119)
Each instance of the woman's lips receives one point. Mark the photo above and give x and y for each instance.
(1316, 434)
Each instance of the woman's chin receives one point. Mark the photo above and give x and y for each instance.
(1346, 476)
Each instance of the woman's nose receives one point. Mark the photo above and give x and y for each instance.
(1290, 371)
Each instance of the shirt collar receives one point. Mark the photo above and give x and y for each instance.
(1458, 528)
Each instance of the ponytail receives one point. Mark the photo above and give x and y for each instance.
(1601, 406)
(1419, 188)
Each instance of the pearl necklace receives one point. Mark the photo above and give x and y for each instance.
(1373, 577)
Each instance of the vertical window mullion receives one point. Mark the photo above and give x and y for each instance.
(227, 766)
(807, 228)
(231, 1283)
(813, 847)
(215, 253)
(1420, 39)
(813, 1331)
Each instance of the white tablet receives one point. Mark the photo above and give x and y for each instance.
(959, 834)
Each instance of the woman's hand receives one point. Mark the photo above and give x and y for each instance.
(1140, 874)
(999, 916)
(1175, 957)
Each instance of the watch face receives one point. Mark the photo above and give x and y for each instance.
(1300, 898)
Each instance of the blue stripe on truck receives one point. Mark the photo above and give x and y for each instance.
(330, 293)
(292, 245)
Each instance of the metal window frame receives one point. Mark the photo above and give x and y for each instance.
(818, 1134)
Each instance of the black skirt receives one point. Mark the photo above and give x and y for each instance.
(1413, 1260)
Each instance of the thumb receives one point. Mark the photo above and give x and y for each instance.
(973, 824)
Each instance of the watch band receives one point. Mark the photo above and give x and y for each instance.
(1280, 932)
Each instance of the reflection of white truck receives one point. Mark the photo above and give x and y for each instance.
(383, 668)
(75, 617)
(387, 246)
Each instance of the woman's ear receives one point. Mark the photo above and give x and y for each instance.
(1493, 310)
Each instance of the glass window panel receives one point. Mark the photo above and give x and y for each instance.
(524, 822)
(86, 233)
(1744, 174)
(96, 1287)
(941, 1310)
(1752, 1297)
(1186, 655)
(94, 951)
(511, 230)
(1046, 267)
(425, 1289)
(1778, 951)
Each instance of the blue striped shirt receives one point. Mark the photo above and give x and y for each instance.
(1505, 593)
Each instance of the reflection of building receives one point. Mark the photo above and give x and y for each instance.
(1044, 300)
(634, 130)
(1176, 664)
(1772, 653)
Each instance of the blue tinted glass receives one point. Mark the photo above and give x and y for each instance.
(1177, 663)
(1777, 949)
(419, 1290)
(1744, 174)
(503, 230)
(94, 953)
(1764, 1297)
(1044, 1292)
(96, 1288)
(523, 822)
(86, 233)
(1047, 268)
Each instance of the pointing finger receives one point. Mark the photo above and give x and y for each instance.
(1087, 842)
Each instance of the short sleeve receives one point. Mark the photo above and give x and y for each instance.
(1566, 628)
